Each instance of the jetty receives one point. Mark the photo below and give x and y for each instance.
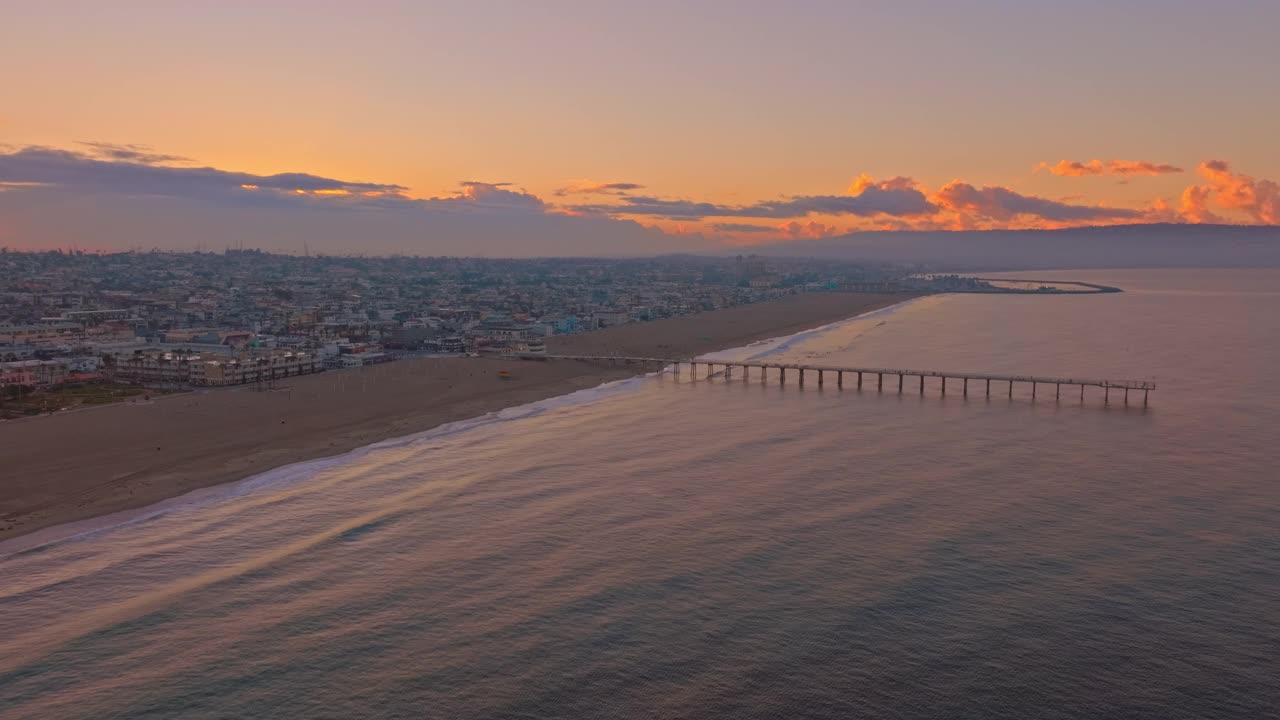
(902, 380)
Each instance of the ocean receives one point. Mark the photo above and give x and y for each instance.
(681, 548)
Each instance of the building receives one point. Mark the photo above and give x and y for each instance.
(248, 369)
(42, 333)
(17, 376)
(42, 372)
(506, 332)
(157, 367)
(214, 370)
(93, 317)
(355, 360)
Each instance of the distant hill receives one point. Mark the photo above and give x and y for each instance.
(1092, 247)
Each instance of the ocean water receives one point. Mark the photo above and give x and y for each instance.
(667, 548)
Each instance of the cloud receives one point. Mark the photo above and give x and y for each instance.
(1194, 205)
(476, 195)
(85, 172)
(132, 153)
(1259, 199)
(56, 197)
(896, 198)
(590, 187)
(866, 182)
(1075, 168)
(101, 195)
(1002, 204)
(898, 203)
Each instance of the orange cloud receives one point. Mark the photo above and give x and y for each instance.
(865, 182)
(1002, 204)
(1259, 199)
(1075, 168)
(1194, 206)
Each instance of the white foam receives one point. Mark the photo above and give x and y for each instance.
(296, 472)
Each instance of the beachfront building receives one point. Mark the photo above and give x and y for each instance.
(214, 370)
(259, 368)
(156, 367)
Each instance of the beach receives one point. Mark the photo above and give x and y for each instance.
(77, 465)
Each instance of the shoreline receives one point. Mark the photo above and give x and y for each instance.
(75, 468)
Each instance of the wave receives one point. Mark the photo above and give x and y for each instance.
(297, 472)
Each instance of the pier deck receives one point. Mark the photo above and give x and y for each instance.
(822, 371)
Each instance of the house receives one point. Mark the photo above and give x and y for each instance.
(42, 372)
(17, 376)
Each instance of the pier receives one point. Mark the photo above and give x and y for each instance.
(900, 380)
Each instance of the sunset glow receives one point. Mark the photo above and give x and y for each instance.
(681, 129)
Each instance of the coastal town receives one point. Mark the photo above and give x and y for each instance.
(82, 328)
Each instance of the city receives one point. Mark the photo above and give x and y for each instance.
(82, 328)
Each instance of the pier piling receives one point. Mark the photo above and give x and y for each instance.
(675, 366)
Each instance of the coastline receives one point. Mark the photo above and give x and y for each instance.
(68, 468)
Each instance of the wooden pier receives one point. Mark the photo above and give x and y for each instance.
(900, 380)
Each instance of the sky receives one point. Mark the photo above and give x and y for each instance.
(519, 128)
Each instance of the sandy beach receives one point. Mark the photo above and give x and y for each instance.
(76, 465)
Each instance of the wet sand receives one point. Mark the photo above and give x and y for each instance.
(77, 465)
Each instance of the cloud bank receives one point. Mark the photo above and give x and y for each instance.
(894, 198)
(110, 196)
(105, 195)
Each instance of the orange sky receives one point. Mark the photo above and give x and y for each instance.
(762, 115)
